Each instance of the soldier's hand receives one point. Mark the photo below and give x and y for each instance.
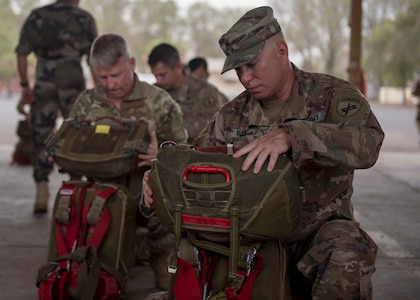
(269, 146)
(146, 159)
(27, 95)
(147, 190)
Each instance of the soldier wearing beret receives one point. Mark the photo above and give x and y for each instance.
(328, 126)
(59, 34)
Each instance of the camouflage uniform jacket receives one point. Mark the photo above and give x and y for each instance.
(199, 101)
(59, 34)
(147, 102)
(332, 131)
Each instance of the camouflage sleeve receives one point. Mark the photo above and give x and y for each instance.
(27, 32)
(91, 34)
(210, 100)
(213, 134)
(80, 109)
(169, 119)
(350, 137)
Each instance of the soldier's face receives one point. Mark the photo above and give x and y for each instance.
(167, 78)
(117, 80)
(200, 73)
(263, 76)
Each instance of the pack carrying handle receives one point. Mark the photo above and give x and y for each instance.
(118, 121)
(207, 169)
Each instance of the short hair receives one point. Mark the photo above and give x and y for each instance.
(107, 49)
(197, 62)
(164, 53)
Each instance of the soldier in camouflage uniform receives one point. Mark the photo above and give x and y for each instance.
(198, 67)
(59, 35)
(328, 126)
(416, 92)
(120, 93)
(199, 100)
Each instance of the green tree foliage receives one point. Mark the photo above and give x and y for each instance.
(393, 46)
(206, 24)
(143, 23)
(12, 15)
(317, 32)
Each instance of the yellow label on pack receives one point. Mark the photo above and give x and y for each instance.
(102, 129)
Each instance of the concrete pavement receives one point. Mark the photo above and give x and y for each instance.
(386, 201)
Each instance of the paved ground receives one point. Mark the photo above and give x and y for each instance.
(386, 201)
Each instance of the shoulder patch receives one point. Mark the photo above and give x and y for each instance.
(209, 102)
(348, 106)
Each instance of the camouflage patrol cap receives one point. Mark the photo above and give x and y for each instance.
(246, 38)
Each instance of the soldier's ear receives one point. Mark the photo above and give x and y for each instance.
(132, 62)
(282, 49)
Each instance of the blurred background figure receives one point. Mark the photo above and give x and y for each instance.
(198, 67)
(199, 99)
(416, 93)
(59, 34)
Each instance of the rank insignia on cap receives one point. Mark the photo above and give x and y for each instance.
(348, 107)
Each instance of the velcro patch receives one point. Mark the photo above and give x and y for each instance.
(347, 106)
(102, 129)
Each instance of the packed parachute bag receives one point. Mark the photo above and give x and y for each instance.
(93, 233)
(228, 224)
(92, 242)
(23, 148)
(105, 147)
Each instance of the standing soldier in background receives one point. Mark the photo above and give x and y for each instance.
(199, 100)
(59, 34)
(416, 93)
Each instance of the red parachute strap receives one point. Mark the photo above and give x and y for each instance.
(245, 293)
(186, 285)
(96, 232)
(203, 272)
(46, 288)
(66, 234)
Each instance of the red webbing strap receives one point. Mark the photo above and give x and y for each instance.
(203, 272)
(61, 284)
(186, 284)
(246, 291)
(205, 221)
(213, 261)
(97, 232)
(66, 235)
(45, 290)
(65, 244)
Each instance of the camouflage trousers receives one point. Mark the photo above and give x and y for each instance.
(49, 101)
(337, 262)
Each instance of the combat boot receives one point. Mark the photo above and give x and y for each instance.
(41, 198)
(159, 265)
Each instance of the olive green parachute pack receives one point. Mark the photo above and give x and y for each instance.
(105, 147)
(93, 239)
(213, 207)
